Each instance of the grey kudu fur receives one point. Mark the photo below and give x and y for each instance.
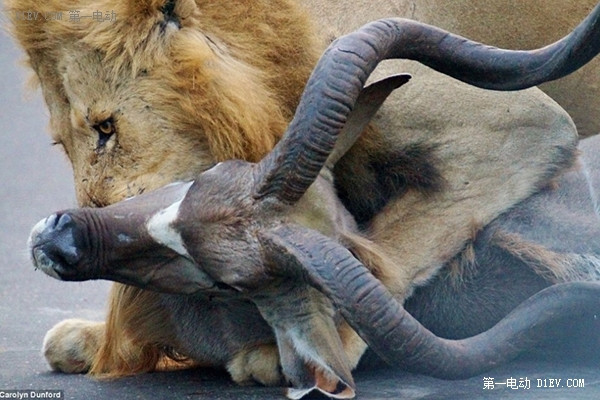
(276, 249)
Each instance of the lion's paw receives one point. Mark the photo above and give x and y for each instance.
(70, 346)
(257, 364)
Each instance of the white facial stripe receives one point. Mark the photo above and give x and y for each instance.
(160, 227)
(213, 169)
(176, 184)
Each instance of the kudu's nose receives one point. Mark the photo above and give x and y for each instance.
(53, 246)
(60, 246)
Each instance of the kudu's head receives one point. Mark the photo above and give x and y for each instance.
(236, 228)
(203, 234)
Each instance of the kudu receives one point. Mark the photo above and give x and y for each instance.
(274, 233)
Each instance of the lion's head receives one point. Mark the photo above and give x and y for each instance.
(165, 89)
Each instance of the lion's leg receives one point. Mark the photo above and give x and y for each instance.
(71, 345)
(129, 342)
(260, 363)
(256, 364)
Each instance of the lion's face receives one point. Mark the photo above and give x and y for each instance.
(123, 136)
(162, 93)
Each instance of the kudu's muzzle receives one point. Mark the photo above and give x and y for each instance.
(118, 243)
(55, 244)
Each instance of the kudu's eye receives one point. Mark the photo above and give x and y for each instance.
(105, 131)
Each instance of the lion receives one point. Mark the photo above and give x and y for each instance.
(170, 88)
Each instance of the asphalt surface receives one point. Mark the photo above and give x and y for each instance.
(35, 180)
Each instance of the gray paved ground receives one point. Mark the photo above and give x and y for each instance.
(35, 180)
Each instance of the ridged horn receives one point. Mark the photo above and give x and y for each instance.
(342, 71)
(397, 337)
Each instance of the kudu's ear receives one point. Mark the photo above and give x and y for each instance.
(311, 351)
(368, 103)
(312, 356)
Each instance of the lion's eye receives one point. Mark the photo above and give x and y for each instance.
(105, 130)
(106, 127)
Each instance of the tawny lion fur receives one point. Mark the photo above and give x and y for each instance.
(220, 80)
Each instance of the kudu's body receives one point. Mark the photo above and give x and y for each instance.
(275, 234)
